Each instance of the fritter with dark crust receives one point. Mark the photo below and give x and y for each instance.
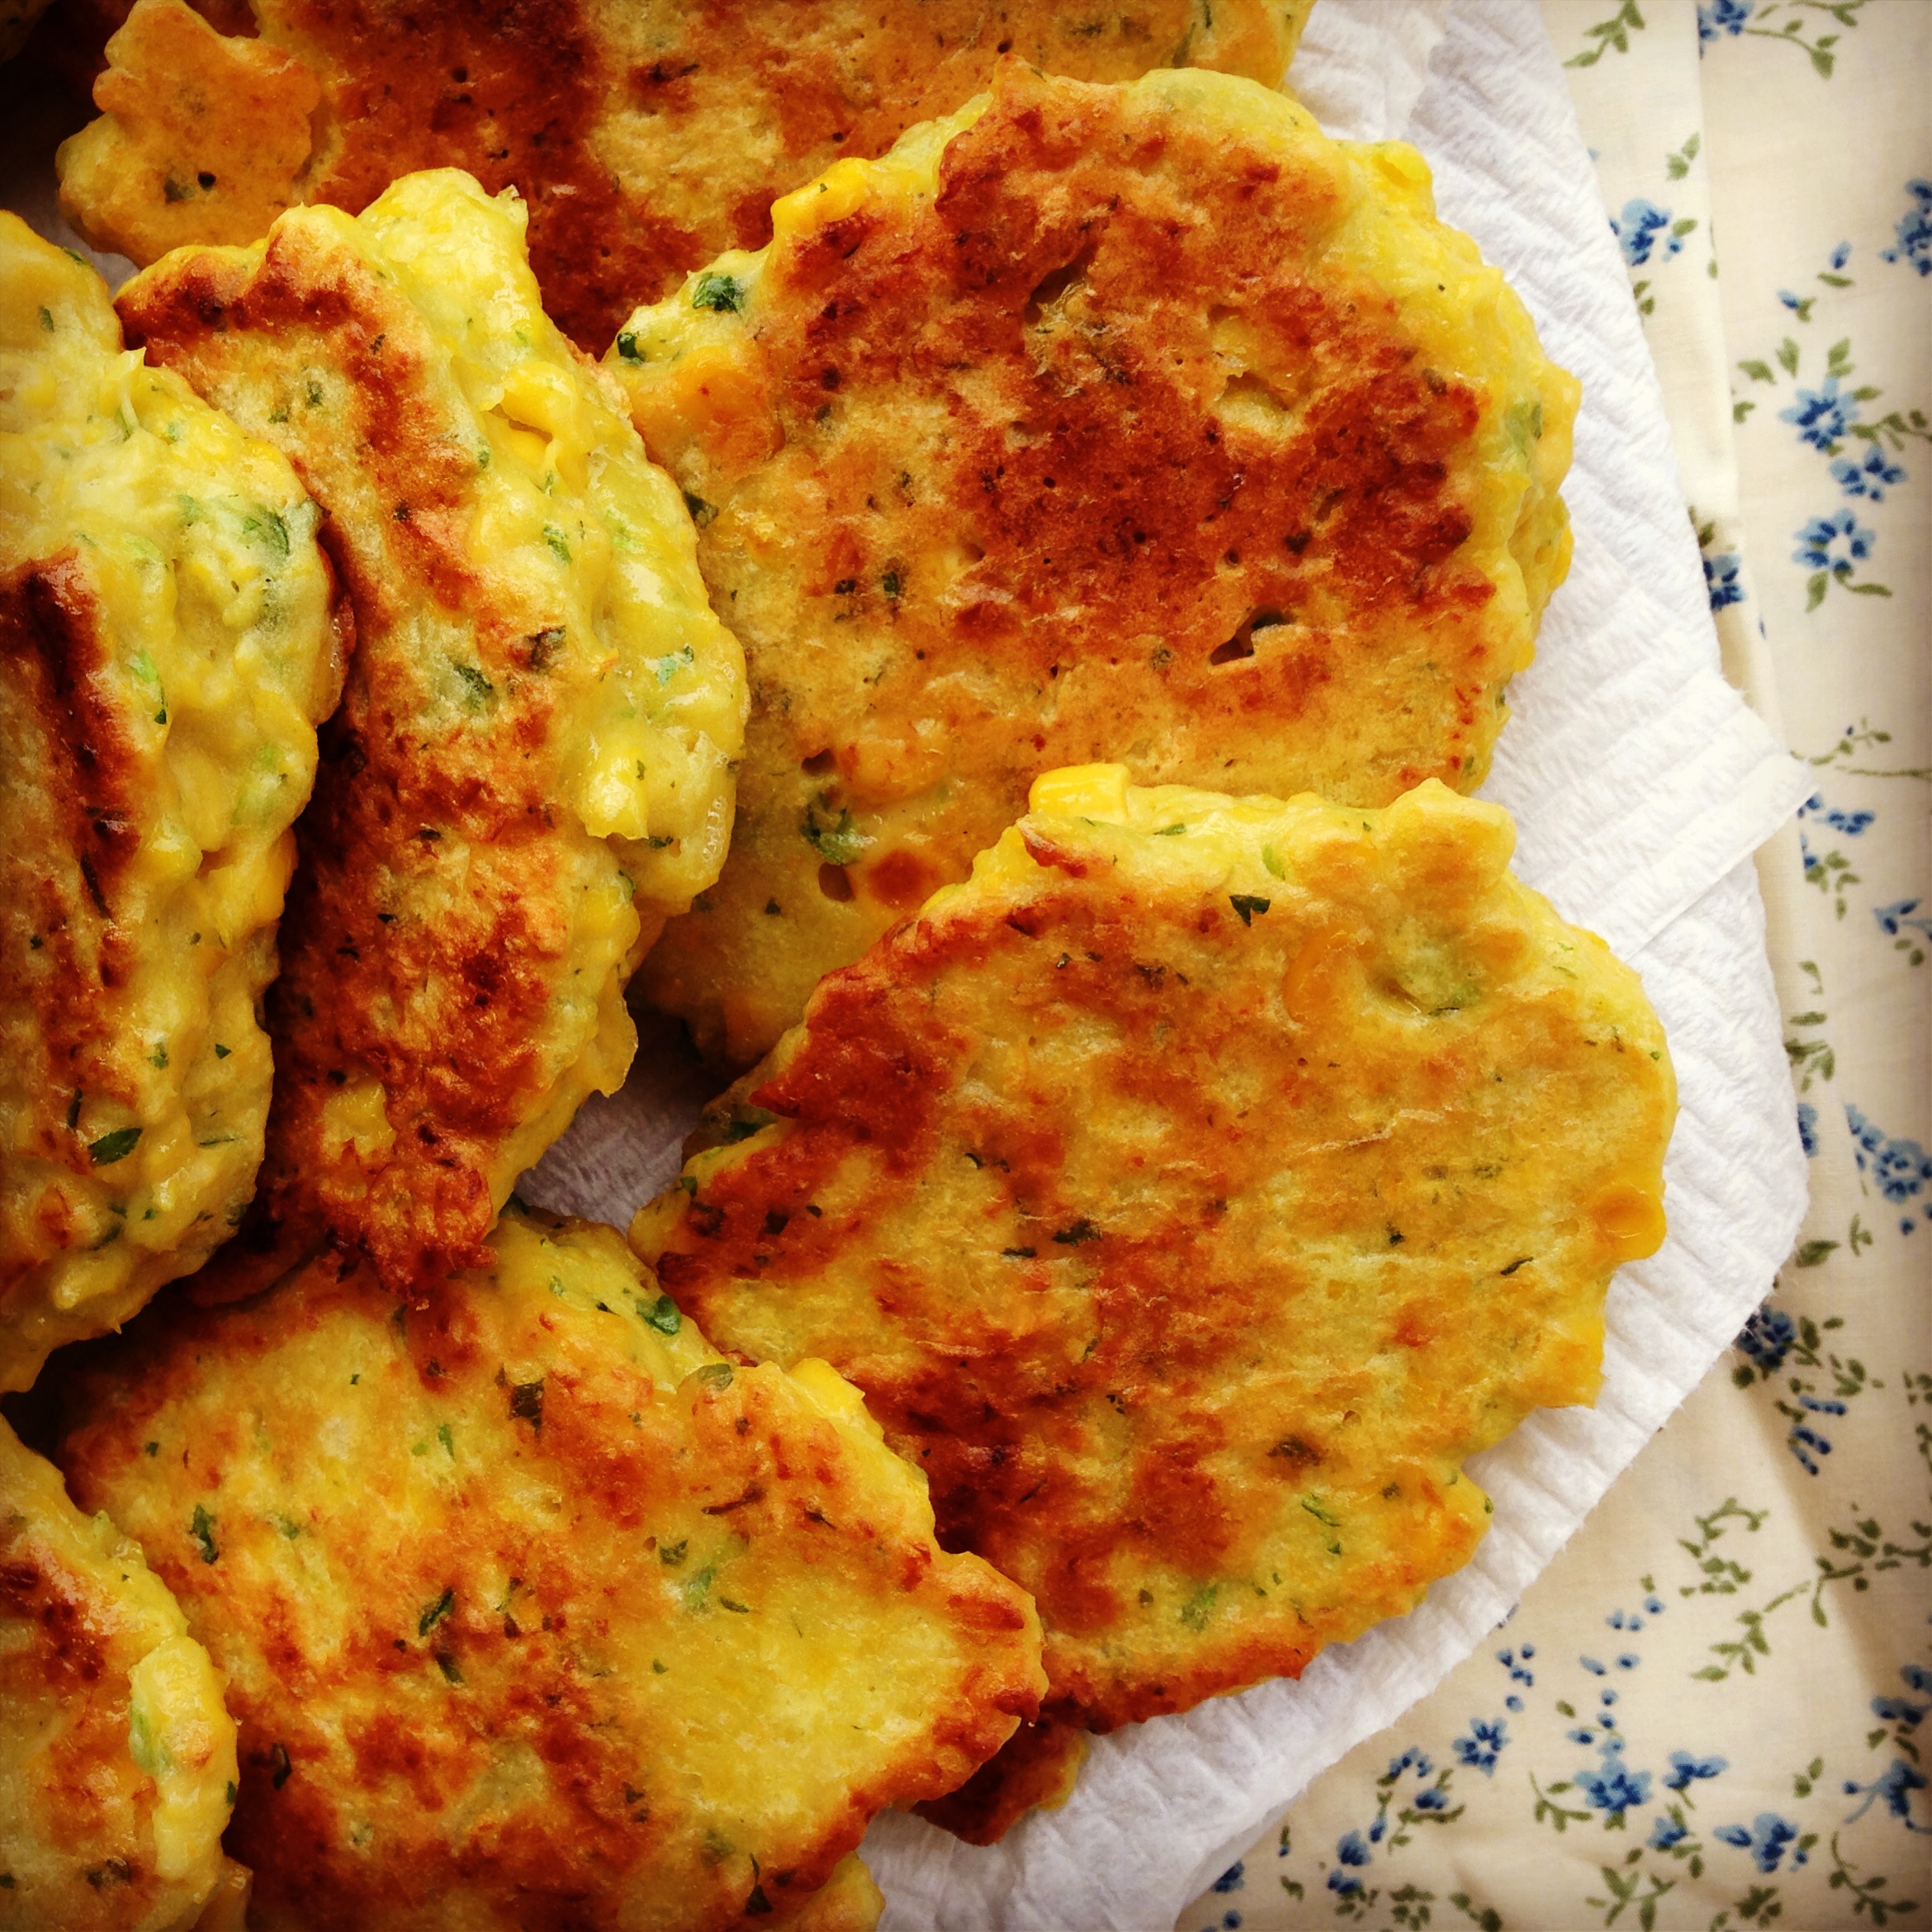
(1188, 1193)
(646, 137)
(117, 1755)
(535, 1611)
(532, 766)
(1142, 422)
(170, 637)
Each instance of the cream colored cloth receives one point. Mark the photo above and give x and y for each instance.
(1709, 1712)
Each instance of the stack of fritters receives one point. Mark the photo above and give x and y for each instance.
(645, 139)
(1141, 422)
(170, 637)
(1153, 1201)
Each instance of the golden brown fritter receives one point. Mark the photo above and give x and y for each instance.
(117, 1760)
(532, 766)
(537, 1612)
(1142, 422)
(1188, 1193)
(646, 137)
(167, 644)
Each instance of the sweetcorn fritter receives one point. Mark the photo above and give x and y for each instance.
(645, 138)
(535, 1611)
(117, 1760)
(533, 764)
(1188, 1193)
(168, 641)
(1135, 422)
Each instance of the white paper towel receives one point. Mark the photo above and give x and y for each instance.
(1641, 783)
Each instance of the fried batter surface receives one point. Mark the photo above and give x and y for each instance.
(168, 645)
(117, 1757)
(535, 1612)
(646, 137)
(1189, 1192)
(1143, 423)
(532, 762)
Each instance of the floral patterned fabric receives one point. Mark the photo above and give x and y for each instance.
(1709, 1712)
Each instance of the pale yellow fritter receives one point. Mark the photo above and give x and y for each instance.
(537, 1612)
(1188, 1193)
(647, 137)
(533, 764)
(1143, 423)
(166, 648)
(117, 1761)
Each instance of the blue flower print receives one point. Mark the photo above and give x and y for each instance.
(1899, 1710)
(1823, 416)
(1639, 226)
(1767, 1338)
(1720, 582)
(1895, 920)
(1818, 540)
(1896, 1787)
(1667, 1832)
(1871, 478)
(1432, 1798)
(1231, 1880)
(1685, 1769)
(1915, 229)
(1851, 824)
(1612, 1787)
(1722, 16)
(1765, 1840)
(1901, 1167)
(1480, 1749)
(1351, 1848)
(1342, 1885)
(1917, 1677)
(1808, 1130)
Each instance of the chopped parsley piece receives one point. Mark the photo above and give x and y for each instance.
(1272, 859)
(1081, 1230)
(715, 1374)
(269, 527)
(479, 690)
(447, 1441)
(889, 583)
(221, 1052)
(701, 512)
(697, 1588)
(114, 1147)
(722, 293)
(546, 648)
(526, 1401)
(1194, 1613)
(671, 1555)
(839, 842)
(1168, 831)
(433, 1613)
(1320, 1514)
(159, 1058)
(447, 1665)
(557, 541)
(1522, 1262)
(663, 1316)
(202, 1529)
(626, 345)
(1247, 904)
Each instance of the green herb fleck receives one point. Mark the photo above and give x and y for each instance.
(723, 293)
(433, 1613)
(1168, 831)
(715, 1374)
(480, 689)
(113, 1147)
(546, 648)
(221, 1052)
(159, 1058)
(663, 1315)
(671, 1555)
(626, 345)
(839, 842)
(447, 1441)
(1194, 1613)
(202, 1529)
(1272, 859)
(889, 583)
(1320, 1514)
(446, 1664)
(556, 539)
(1081, 1230)
(46, 319)
(526, 1401)
(1521, 1262)
(269, 527)
(701, 512)
(1247, 904)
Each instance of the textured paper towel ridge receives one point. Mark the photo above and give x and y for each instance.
(1640, 781)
